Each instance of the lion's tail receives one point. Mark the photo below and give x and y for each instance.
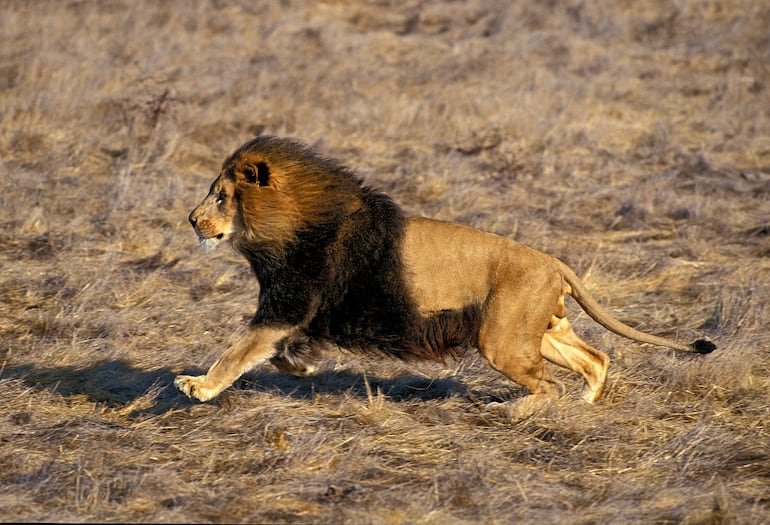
(603, 317)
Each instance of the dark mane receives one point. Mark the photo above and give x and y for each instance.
(341, 278)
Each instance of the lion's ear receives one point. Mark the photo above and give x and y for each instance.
(261, 175)
(249, 175)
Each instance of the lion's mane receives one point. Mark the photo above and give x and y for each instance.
(337, 272)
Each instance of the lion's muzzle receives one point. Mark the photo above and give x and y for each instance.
(208, 234)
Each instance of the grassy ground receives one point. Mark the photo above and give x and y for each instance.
(632, 140)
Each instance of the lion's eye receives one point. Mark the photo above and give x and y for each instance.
(221, 197)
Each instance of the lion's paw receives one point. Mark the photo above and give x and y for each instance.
(195, 386)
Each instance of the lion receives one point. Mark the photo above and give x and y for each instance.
(339, 265)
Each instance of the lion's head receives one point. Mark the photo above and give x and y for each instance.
(268, 190)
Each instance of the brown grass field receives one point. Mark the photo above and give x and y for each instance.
(629, 139)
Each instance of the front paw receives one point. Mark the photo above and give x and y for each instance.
(195, 386)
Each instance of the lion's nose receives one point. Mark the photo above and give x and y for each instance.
(193, 220)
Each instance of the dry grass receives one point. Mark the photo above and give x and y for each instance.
(630, 139)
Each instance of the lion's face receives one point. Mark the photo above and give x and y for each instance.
(218, 217)
(250, 204)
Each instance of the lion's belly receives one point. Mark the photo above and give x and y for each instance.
(450, 266)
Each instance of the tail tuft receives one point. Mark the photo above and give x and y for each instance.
(703, 346)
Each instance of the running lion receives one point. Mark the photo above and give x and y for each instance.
(340, 265)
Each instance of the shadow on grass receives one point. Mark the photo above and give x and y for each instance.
(113, 383)
(117, 384)
(402, 388)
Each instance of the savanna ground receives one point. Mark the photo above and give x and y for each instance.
(630, 139)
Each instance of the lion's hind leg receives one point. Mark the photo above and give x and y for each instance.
(295, 367)
(563, 347)
(295, 355)
(509, 340)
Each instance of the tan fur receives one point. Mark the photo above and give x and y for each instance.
(248, 352)
(522, 292)
(447, 267)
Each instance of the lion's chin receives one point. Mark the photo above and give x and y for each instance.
(209, 244)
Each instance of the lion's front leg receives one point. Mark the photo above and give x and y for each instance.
(196, 386)
(255, 347)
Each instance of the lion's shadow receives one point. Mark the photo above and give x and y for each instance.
(117, 384)
(404, 387)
